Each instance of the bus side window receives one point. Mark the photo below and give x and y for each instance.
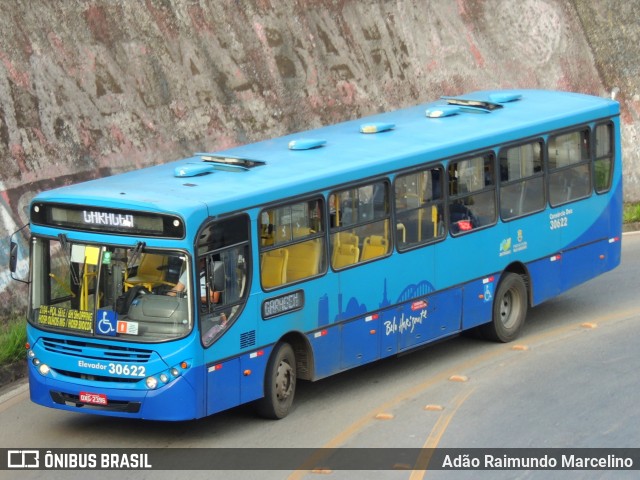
(472, 196)
(603, 164)
(521, 180)
(294, 251)
(223, 271)
(569, 167)
(360, 219)
(419, 207)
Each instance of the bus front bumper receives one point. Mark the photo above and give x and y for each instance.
(175, 401)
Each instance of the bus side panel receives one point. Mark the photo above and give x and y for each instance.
(325, 344)
(223, 385)
(405, 326)
(360, 342)
(586, 262)
(430, 318)
(545, 278)
(388, 340)
(235, 381)
(253, 367)
(478, 301)
(598, 249)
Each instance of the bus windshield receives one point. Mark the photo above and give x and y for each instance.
(128, 293)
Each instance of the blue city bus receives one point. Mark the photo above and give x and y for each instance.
(187, 288)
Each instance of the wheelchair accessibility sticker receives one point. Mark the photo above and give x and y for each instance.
(488, 289)
(107, 323)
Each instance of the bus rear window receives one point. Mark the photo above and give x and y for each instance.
(603, 165)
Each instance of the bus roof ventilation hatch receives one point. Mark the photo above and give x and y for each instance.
(210, 163)
(442, 111)
(192, 170)
(235, 163)
(376, 127)
(494, 101)
(505, 97)
(306, 143)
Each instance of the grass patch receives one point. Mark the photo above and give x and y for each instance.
(631, 213)
(13, 336)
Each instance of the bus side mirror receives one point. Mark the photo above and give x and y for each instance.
(14, 251)
(13, 257)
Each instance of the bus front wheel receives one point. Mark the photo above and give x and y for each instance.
(509, 309)
(279, 383)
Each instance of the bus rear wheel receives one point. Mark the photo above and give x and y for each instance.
(509, 309)
(279, 383)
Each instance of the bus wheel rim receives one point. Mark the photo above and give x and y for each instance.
(284, 381)
(508, 308)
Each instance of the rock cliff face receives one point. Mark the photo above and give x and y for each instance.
(92, 88)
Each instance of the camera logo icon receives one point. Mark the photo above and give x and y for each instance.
(23, 459)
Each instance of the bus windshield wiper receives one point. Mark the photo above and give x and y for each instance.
(64, 243)
(136, 253)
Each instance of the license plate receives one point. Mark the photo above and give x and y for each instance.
(93, 398)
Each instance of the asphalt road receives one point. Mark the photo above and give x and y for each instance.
(570, 381)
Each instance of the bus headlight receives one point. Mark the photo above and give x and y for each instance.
(152, 383)
(160, 379)
(44, 369)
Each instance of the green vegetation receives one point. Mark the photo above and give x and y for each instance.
(13, 336)
(631, 213)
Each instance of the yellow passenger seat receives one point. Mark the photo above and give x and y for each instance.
(304, 260)
(347, 238)
(374, 246)
(344, 255)
(151, 271)
(273, 266)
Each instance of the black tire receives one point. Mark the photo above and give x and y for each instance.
(510, 306)
(279, 383)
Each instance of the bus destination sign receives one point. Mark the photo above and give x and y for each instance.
(107, 218)
(86, 218)
(289, 302)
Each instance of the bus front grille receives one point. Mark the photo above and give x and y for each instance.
(96, 351)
